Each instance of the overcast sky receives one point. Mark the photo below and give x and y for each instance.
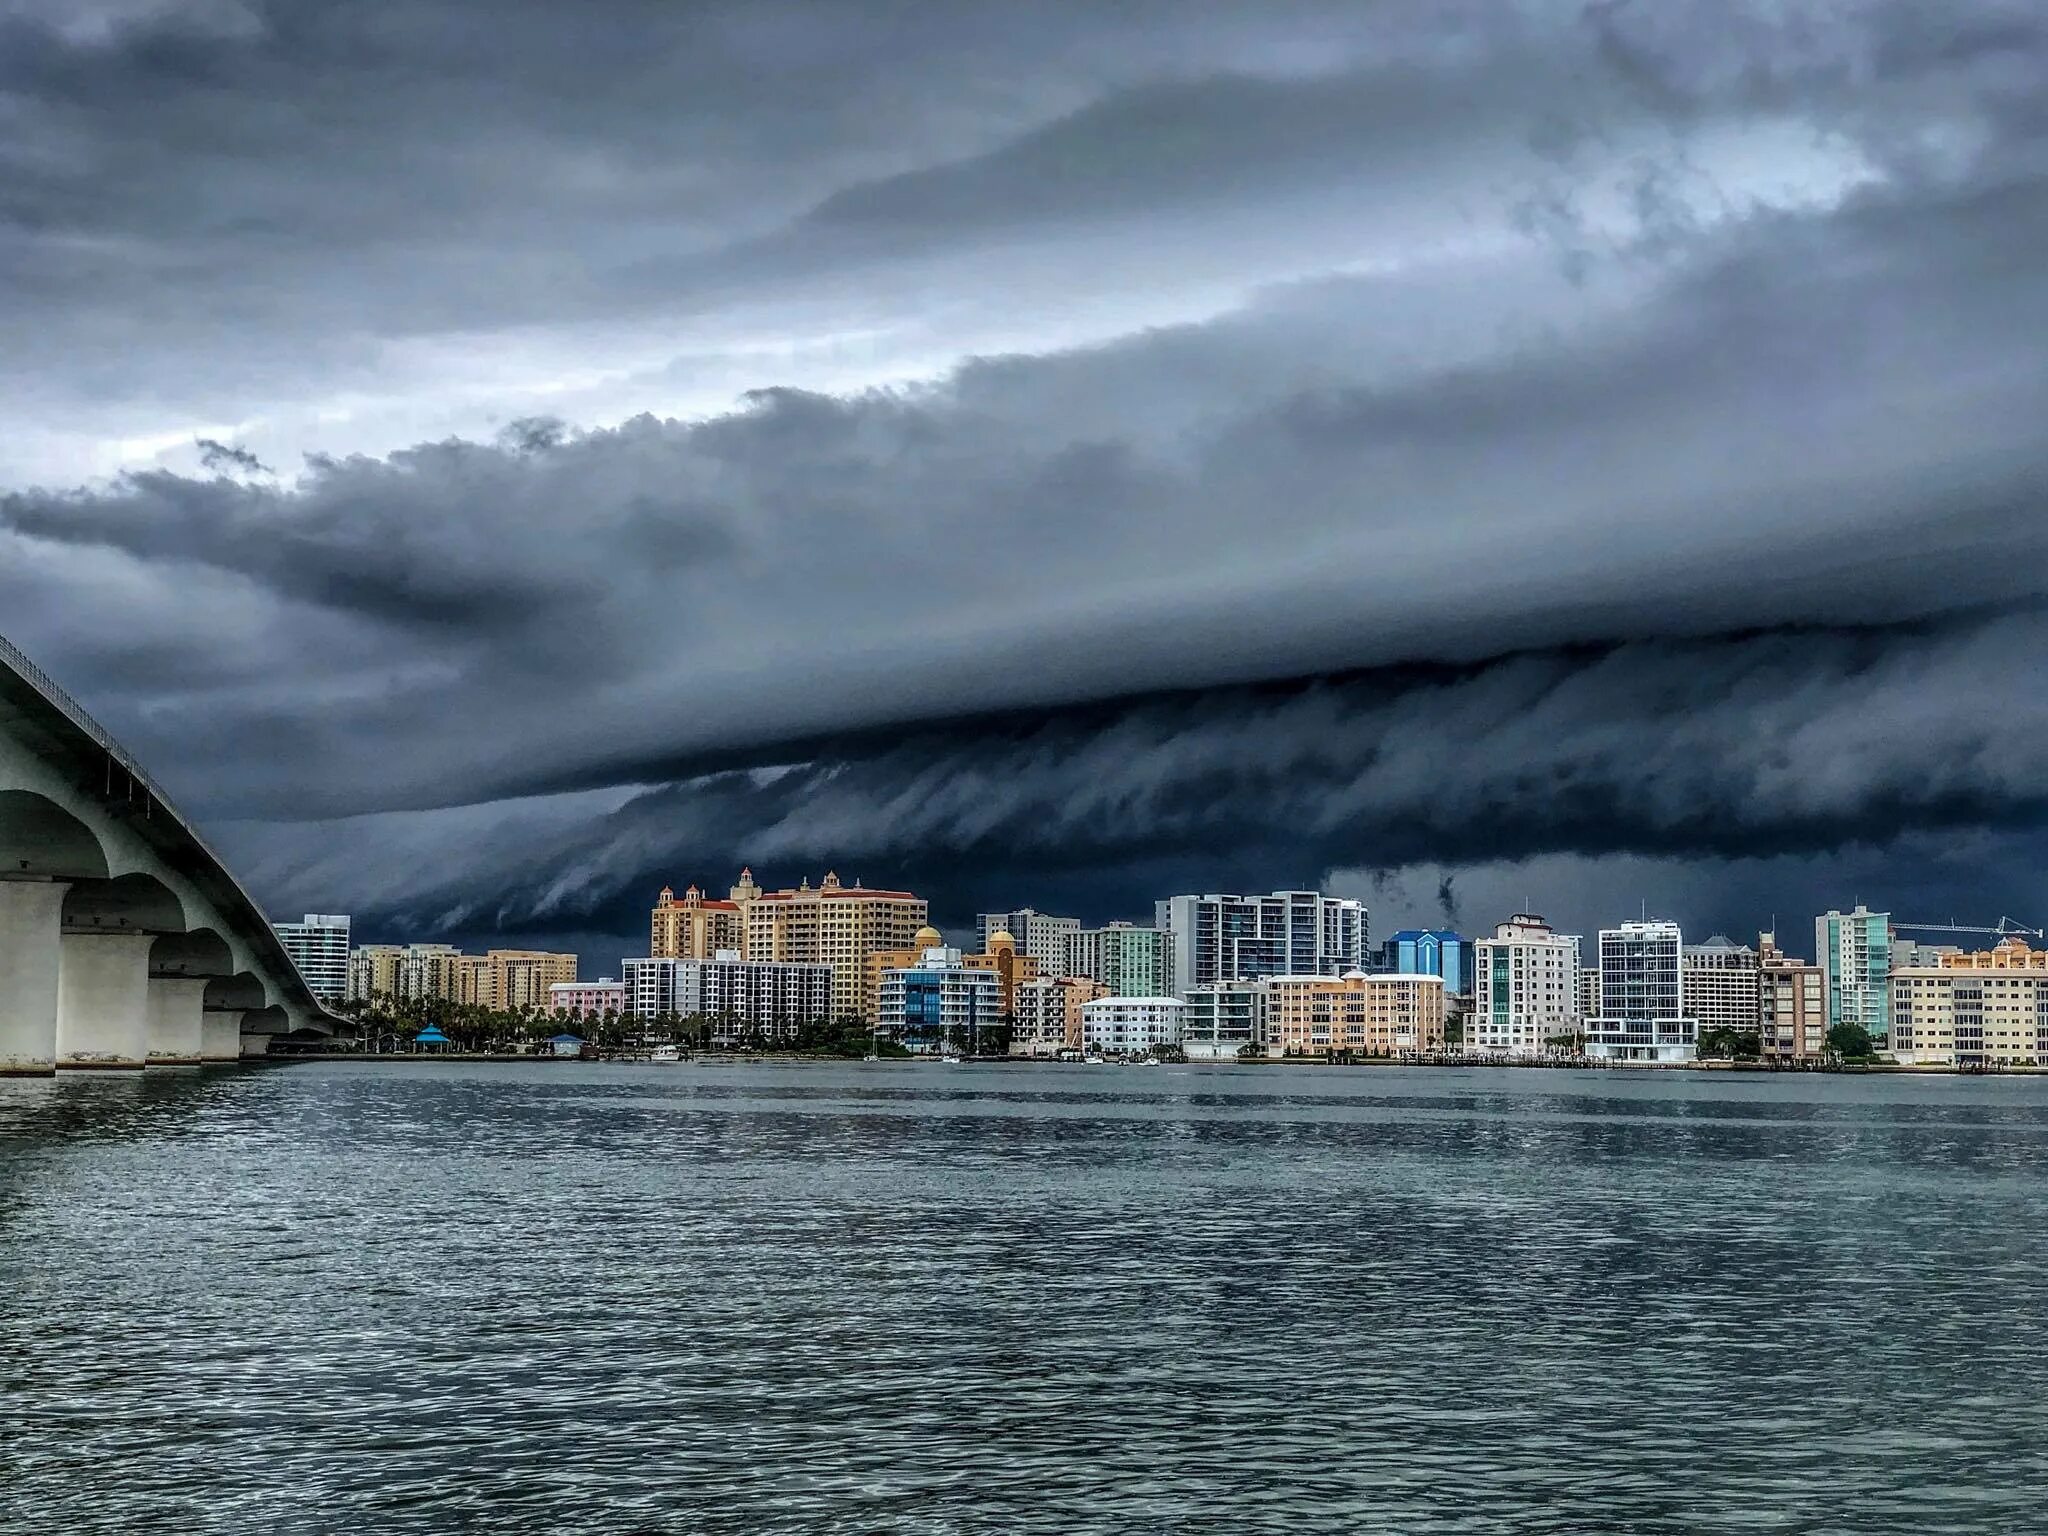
(491, 461)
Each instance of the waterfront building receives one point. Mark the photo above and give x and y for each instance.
(1241, 938)
(2008, 954)
(373, 970)
(1642, 1014)
(429, 970)
(587, 999)
(1000, 957)
(1355, 1014)
(1046, 1018)
(829, 924)
(319, 948)
(1792, 1022)
(1721, 986)
(508, 978)
(1525, 995)
(1956, 1016)
(1043, 937)
(1589, 990)
(1222, 1019)
(1854, 952)
(693, 926)
(1131, 1026)
(939, 1003)
(742, 998)
(1130, 961)
(1432, 952)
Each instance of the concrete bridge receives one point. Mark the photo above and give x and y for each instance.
(124, 941)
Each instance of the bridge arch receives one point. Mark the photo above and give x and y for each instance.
(242, 991)
(131, 903)
(39, 838)
(198, 953)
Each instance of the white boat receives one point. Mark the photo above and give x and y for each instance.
(665, 1053)
(951, 1061)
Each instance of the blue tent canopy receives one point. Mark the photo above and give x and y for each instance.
(565, 1039)
(431, 1035)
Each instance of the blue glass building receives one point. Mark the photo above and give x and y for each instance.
(1433, 952)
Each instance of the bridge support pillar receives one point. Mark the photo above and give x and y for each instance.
(220, 1036)
(255, 1045)
(176, 1006)
(103, 1000)
(31, 921)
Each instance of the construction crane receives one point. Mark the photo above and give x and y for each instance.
(2006, 928)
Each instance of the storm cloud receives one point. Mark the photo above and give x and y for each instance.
(1056, 454)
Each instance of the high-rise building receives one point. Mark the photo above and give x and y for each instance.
(1130, 961)
(1042, 937)
(1721, 988)
(1047, 1016)
(741, 998)
(432, 970)
(693, 926)
(1525, 996)
(1238, 938)
(1791, 1004)
(829, 924)
(1955, 1016)
(1000, 957)
(373, 970)
(1642, 991)
(1222, 1019)
(507, 978)
(1432, 952)
(1131, 1026)
(319, 948)
(940, 1003)
(1356, 1014)
(1855, 954)
(1589, 990)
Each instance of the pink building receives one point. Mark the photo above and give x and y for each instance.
(588, 999)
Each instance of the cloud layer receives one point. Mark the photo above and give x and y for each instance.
(1418, 435)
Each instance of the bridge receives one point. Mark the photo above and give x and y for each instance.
(124, 941)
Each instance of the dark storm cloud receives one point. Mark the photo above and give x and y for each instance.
(1636, 452)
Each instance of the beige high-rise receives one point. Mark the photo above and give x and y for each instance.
(1355, 1014)
(829, 924)
(1969, 1016)
(694, 926)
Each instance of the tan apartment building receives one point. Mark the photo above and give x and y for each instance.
(1960, 1016)
(694, 926)
(830, 924)
(373, 970)
(1792, 1004)
(507, 978)
(1353, 1014)
(1047, 1014)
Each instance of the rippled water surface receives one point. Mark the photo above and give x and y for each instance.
(707, 1298)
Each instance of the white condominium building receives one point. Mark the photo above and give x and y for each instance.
(1239, 938)
(1525, 990)
(1127, 1026)
(1642, 990)
(319, 948)
(1038, 934)
(769, 997)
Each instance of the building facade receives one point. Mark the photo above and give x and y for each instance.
(939, 1004)
(1792, 1007)
(693, 926)
(771, 1000)
(588, 999)
(319, 948)
(1525, 991)
(1222, 1019)
(1387, 1014)
(1642, 990)
(829, 924)
(1130, 961)
(1721, 985)
(373, 970)
(1432, 952)
(1131, 1026)
(2008, 954)
(1047, 1015)
(1241, 938)
(1854, 950)
(1043, 937)
(1956, 1016)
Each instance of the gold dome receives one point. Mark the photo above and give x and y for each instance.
(928, 937)
(1002, 938)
